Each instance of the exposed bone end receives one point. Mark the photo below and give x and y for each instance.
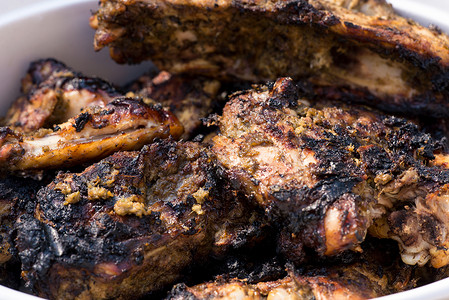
(124, 124)
(344, 226)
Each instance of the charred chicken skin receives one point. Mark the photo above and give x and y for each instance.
(17, 196)
(123, 124)
(323, 173)
(353, 50)
(326, 172)
(131, 223)
(54, 93)
(45, 127)
(375, 272)
(352, 282)
(190, 98)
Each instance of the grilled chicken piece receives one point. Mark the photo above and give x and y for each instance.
(54, 93)
(356, 50)
(189, 98)
(285, 288)
(354, 285)
(325, 172)
(123, 124)
(130, 224)
(376, 272)
(17, 197)
(41, 70)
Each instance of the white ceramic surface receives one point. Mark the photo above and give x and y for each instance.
(57, 29)
(33, 29)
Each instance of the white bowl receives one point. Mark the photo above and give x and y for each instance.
(58, 29)
(32, 29)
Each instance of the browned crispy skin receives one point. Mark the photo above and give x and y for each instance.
(54, 93)
(123, 124)
(41, 70)
(285, 288)
(330, 286)
(325, 172)
(353, 50)
(131, 223)
(376, 272)
(189, 98)
(17, 197)
(16, 194)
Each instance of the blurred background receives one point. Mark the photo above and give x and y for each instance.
(432, 9)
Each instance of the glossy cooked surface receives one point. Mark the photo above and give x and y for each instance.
(98, 131)
(359, 51)
(54, 93)
(376, 272)
(327, 172)
(65, 118)
(190, 98)
(131, 223)
(17, 196)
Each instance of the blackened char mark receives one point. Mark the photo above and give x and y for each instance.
(40, 70)
(301, 12)
(51, 203)
(32, 242)
(20, 191)
(375, 159)
(332, 154)
(180, 292)
(406, 137)
(92, 84)
(81, 121)
(433, 175)
(306, 205)
(283, 93)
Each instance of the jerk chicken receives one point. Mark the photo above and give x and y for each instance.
(54, 93)
(323, 173)
(375, 272)
(356, 50)
(131, 223)
(309, 181)
(190, 98)
(326, 172)
(17, 197)
(123, 124)
(63, 117)
(354, 281)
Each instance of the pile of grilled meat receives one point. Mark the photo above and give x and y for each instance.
(287, 150)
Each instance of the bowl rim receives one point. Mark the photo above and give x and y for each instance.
(426, 13)
(19, 13)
